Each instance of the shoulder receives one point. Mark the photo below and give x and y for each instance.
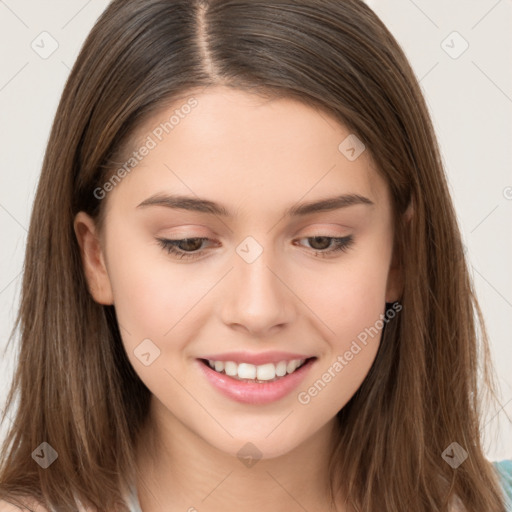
(504, 469)
(29, 506)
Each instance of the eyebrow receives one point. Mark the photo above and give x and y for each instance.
(206, 206)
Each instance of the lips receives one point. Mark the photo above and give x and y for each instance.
(255, 392)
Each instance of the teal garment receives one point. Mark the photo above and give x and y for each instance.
(133, 501)
(504, 469)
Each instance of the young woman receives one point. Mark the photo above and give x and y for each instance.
(245, 287)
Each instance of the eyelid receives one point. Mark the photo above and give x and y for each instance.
(341, 244)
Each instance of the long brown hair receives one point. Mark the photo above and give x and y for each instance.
(76, 388)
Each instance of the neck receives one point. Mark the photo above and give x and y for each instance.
(179, 471)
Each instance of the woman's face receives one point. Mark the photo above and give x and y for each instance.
(289, 257)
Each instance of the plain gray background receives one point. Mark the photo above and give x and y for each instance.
(461, 53)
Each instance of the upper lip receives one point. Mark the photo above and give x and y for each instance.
(256, 359)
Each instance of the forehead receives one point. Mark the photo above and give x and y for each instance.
(232, 145)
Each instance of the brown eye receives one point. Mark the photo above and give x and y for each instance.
(324, 246)
(184, 247)
(189, 244)
(320, 243)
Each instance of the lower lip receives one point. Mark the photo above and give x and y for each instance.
(253, 392)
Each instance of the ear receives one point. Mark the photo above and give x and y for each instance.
(394, 286)
(395, 283)
(93, 259)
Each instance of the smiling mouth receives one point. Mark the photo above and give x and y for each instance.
(264, 374)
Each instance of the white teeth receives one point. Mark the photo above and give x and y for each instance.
(231, 368)
(266, 371)
(281, 369)
(291, 366)
(263, 372)
(246, 371)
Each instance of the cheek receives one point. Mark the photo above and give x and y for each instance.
(349, 302)
(151, 294)
(347, 298)
(350, 306)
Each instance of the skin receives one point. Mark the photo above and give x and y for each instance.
(257, 158)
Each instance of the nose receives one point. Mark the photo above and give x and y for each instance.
(257, 298)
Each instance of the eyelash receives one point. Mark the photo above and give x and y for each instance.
(341, 244)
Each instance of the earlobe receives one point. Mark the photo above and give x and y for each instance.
(394, 288)
(410, 211)
(395, 283)
(93, 260)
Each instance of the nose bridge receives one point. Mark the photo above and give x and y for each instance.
(256, 298)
